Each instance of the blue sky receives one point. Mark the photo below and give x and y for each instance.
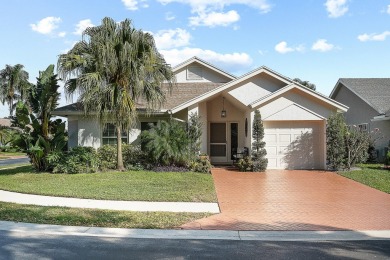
(315, 40)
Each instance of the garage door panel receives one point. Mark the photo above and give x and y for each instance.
(272, 150)
(272, 164)
(285, 138)
(270, 137)
(293, 145)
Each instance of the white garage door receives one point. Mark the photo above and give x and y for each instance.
(294, 144)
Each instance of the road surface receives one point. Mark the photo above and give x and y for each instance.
(22, 245)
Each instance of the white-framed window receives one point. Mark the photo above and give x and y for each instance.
(363, 127)
(194, 73)
(109, 135)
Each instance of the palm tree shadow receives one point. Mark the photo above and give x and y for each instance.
(300, 154)
(16, 170)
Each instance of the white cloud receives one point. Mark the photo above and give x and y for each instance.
(336, 8)
(169, 16)
(230, 61)
(211, 13)
(374, 37)
(61, 34)
(322, 45)
(166, 39)
(202, 5)
(46, 25)
(82, 25)
(388, 9)
(213, 19)
(133, 5)
(282, 48)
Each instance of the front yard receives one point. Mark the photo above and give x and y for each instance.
(372, 175)
(132, 185)
(95, 218)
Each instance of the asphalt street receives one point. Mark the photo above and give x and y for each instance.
(14, 161)
(22, 245)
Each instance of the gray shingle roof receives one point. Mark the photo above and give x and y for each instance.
(375, 91)
(181, 92)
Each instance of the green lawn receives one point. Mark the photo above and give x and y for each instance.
(133, 185)
(95, 218)
(371, 175)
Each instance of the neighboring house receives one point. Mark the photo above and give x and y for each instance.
(368, 100)
(294, 116)
(5, 122)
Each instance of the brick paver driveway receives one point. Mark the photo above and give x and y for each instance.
(294, 200)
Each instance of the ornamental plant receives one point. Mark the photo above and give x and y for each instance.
(258, 145)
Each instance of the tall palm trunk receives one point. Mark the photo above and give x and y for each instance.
(120, 166)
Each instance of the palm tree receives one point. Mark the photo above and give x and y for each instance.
(13, 85)
(44, 98)
(114, 65)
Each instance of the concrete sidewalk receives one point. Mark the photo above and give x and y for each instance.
(27, 229)
(20, 198)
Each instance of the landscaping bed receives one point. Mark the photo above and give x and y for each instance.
(373, 175)
(130, 186)
(95, 218)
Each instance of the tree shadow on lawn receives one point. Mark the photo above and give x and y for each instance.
(18, 169)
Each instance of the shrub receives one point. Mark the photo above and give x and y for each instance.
(107, 155)
(245, 164)
(201, 164)
(335, 143)
(167, 143)
(78, 160)
(194, 134)
(258, 146)
(133, 157)
(347, 145)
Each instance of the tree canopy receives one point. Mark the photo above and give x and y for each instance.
(13, 85)
(112, 67)
(305, 83)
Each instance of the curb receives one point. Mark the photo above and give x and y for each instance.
(28, 229)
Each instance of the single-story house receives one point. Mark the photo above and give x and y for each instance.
(368, 100)
(294, 116)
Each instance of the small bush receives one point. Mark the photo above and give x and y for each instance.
(78, 160)
(387, 159)
(245, 164)
(133, 157)
(201, 164)
(107, 157)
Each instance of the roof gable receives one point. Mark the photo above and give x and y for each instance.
(197, 61)
(232, 84)
(293, 112)
(374, 91)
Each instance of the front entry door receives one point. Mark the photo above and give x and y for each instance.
(218, 144)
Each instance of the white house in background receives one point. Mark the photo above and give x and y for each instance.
(294, 116)
(368, 100)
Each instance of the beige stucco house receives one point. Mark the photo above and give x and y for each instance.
(368, 100)
(294, 116)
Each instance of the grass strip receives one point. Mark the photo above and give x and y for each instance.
(131, 185)
(372, 175)
(95, 218)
